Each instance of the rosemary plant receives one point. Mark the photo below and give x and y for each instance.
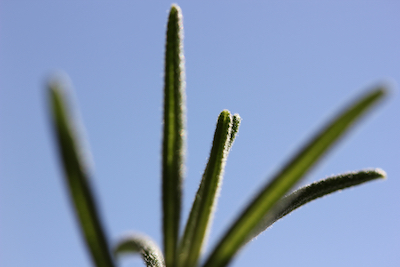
(183, 249)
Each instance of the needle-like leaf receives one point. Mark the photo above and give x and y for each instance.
(313, 191)
(77, 178)
(174, 134)
(143, 245)
(290, 174)
(203, 206)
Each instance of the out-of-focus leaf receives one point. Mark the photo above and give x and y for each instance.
(77, 177)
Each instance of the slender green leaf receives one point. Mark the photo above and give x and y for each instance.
(77, 178)
(174, 134)
(313, 191)
(143, 245)
(291, 173)
(204, 204)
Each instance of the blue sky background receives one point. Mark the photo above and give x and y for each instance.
(284, 66)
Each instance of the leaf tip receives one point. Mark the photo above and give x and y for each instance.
(224, 113)
(175, 11)
(58, 81)
(381, 90)
(175, 8)
(380, 173)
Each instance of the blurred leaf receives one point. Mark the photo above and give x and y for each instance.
(174, 134)
(77, 178)
(204, 204)
(142, 245)
(290, 174)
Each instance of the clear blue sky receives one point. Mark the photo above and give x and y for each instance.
(284, 66)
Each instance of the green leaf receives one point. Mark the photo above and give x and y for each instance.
(290, 174)
(313, 191)
(77, 177)
(174, 134)
(204, 204)
(143, 245)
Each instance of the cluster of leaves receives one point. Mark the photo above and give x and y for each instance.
(267, 207)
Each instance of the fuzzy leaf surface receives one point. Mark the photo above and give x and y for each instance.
(313, 191)
(173, 134)
(206, 197)
(235, 128)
